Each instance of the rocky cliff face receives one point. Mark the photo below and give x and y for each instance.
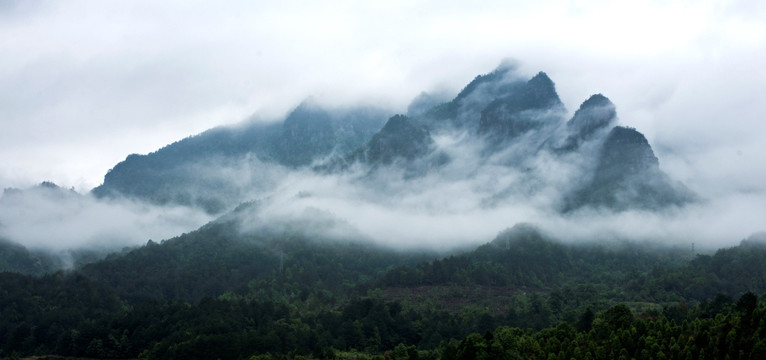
(628, 176)
(594, 117)
(307, 134)
(532, 107)
(400, 139)
(518, 125)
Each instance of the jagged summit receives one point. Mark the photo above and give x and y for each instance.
(596, 100)
(596, 113)
(306, 134)
(400, 138)
(595, 116)
(540, 91)
(502, 74)
(628, 176)
(500, 120)
(526, 109)
(214, 169)
(464, 110)
(625, 152)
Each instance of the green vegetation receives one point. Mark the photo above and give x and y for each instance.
(218, 293)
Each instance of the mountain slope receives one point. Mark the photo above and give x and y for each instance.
(498, 122)
(400, 138)
(522, 111)
(628, 176)
(221, 257)
(217, 169)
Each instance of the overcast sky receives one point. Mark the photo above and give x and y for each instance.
(85, 83)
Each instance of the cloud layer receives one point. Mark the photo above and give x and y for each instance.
(83, 84)
(57, 219)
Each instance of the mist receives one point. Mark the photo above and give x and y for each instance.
(83, 85)
(54, 219)
(473, 197)
(427, 203)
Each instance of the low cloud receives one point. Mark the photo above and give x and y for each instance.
(58, 219)
(472, 198)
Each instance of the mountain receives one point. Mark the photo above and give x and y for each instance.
(278, 275)
(400, 138)
(518, 125)
(595, 115)
(225, 256)
(628, 175)
(307, 133)
(464, 110)
(217, 169)
(523, 110)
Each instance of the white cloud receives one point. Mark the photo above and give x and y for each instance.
(83, 84)
(42, 218)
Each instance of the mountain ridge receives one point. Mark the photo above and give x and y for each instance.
(516, 123)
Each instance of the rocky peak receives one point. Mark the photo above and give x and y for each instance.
(625, 152)
(594, 114)
(307, 134)
(540, 92)
(628, 176)
(500, 74)
(400, 138)
(523, 110)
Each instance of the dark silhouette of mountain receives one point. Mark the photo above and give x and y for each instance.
(595, 115)
(220, 257)
(464, 110)
(196, 171)
(307, 133)
(400, 138)
(522, 111)
(426, 101)
(628, 176)
(517, 118)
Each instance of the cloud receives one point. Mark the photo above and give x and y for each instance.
(84, 84)
(439, 211)
(59, 220)
(130, 77)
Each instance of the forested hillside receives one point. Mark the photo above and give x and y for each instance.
(223, 295)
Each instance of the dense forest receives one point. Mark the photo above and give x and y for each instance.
(214, 293)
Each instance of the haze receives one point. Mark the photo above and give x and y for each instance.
(84, 84)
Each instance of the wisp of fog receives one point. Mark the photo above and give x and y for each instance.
(52, 218)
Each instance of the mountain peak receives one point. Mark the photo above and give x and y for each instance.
(306, 134)
(626, 151)
(48, 185)
(521, 111)
(541, 79)
(399, 138)
(541, 91)
(628, 175)
(397, 123)
(596, 100)
(594, 114)
(501, 74)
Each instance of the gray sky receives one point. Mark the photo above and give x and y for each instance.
(85, 83)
